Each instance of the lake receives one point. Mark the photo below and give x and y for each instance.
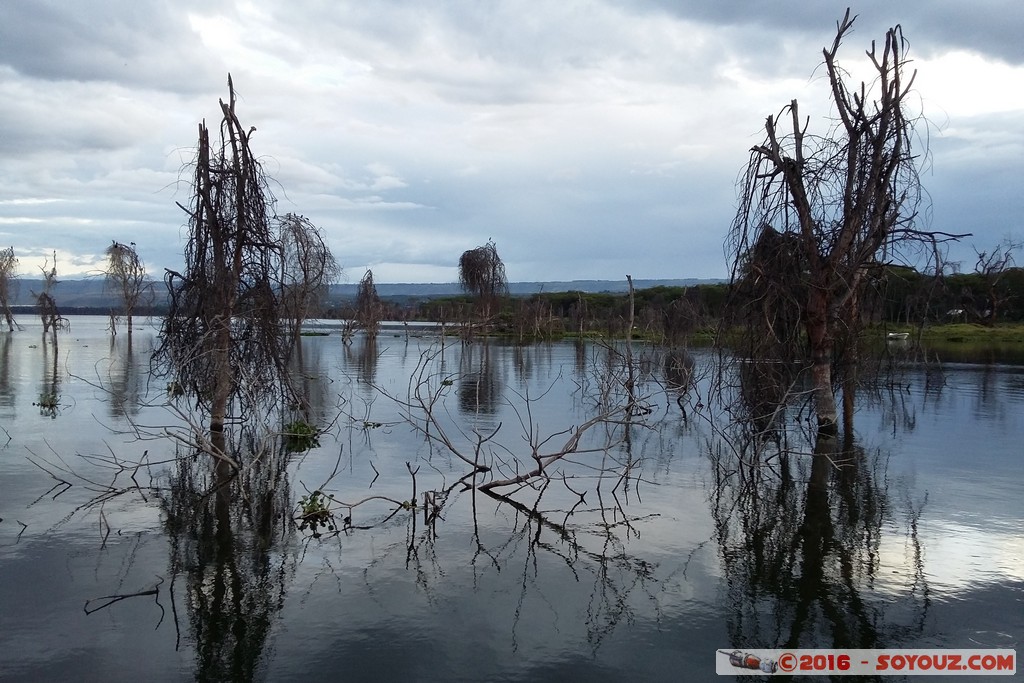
(674, 532)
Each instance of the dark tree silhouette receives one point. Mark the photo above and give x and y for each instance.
(482, 273)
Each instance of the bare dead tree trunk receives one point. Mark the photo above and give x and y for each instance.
(308, 269)
(581, 313)
(851, 360)
(225, 275)
(819, 339)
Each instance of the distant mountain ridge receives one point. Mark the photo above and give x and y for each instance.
(435, 289)
(92, 292)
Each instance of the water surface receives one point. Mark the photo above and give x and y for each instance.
(909, 537)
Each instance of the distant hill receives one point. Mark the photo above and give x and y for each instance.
(67, 293)
(91, 293)
(436, 289)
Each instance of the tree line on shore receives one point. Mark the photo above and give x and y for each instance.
(899, 295)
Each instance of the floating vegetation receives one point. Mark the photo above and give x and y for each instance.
(315, 513)
(300, 436)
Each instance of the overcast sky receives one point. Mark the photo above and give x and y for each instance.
(588, 139)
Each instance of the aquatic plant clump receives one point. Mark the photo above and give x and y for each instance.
(300, 436)
(315, 513)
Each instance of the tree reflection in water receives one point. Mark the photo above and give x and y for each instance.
(7, 387)
(799, 520)
(364, 358)
(126, 384)
(798, 523)
(50, 389)
(480, 385)
(228, 539)
(315, 397)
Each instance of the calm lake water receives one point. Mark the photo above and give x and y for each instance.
(713, 540)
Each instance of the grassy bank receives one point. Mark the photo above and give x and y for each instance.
(952, 333)
(970, 333)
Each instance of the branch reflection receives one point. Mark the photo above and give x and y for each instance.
(227, 536)
(125, 380)
(799, 537)
(481, 389)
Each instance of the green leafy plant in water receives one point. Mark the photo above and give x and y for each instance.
(301, 436)
(315, 513)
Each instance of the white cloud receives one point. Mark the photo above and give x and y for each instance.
(964, 84)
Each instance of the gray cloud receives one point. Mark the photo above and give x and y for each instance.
(590, 140)
(988, 27)
(140, 44)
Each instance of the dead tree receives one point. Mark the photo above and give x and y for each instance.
(223, 340)
(8, 268)
(992, 266)
(482, 273)
(849, 199)
(126, 276)
(368, 306)
(52, 320)
(307, 270)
